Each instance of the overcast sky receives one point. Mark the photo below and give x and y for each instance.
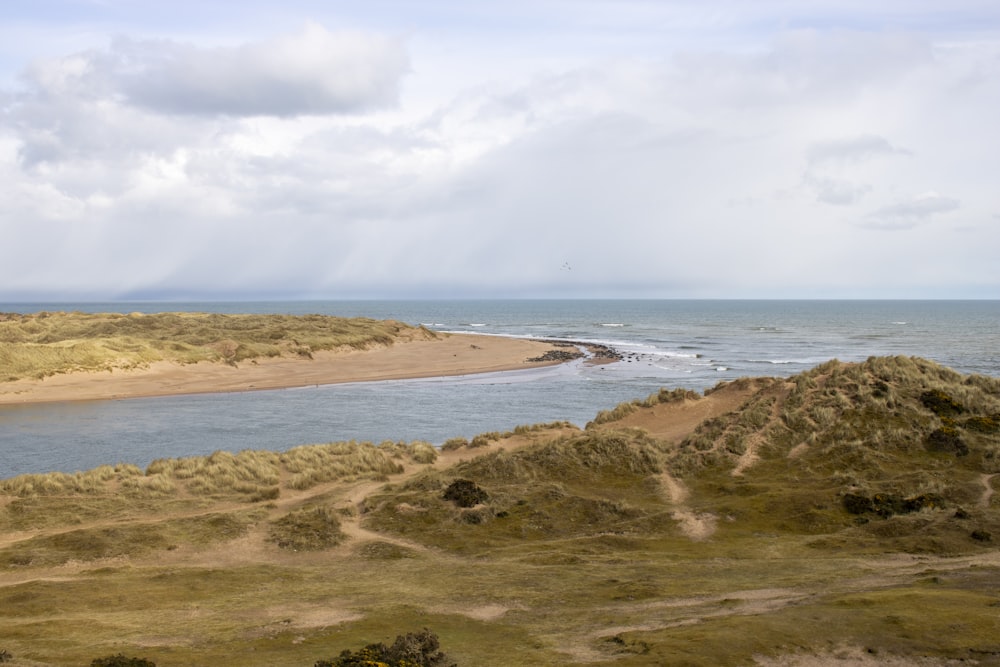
(523, 148)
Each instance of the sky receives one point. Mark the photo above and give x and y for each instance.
(330, 149)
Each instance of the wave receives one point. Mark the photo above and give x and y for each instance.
(786, 362)
(610, 324)
(640, 349)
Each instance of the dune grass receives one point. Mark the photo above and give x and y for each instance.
(575, 549)
(43, 344)
(663, 396)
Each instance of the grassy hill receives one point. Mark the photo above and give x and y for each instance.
(847, 515)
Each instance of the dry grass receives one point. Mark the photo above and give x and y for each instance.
(43, 344)
(578, 553)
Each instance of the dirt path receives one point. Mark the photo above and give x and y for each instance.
(672, 422)
(987, 482)
(753, 444)
(875, 573)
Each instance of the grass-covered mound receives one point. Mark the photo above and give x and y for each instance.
(43, 344)
(848, 513)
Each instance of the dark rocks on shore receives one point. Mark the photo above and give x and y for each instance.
(597, 352)
(558, 355)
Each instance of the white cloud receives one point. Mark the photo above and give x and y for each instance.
(318, 163)
(833, 167)
(838, 192)
(910, 213)
(856, 149)
(314, 72)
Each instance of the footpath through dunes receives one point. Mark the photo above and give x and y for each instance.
(77, 356)
(865, 523)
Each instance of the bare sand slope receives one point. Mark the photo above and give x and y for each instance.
(445, 355)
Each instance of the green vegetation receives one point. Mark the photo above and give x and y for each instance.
(830, 514)
(43, 344)
(119, 660)
(419, 649)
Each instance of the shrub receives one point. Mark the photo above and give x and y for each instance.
(421, 649)
(888, 504)
(982, 424)
(940, 403)
(947, 440)
(121, 661)
(465, 493)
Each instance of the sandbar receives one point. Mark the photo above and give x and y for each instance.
(445, 355)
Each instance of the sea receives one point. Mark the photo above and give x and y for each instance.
(692, 344)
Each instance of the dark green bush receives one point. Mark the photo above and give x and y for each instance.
(981, 424)
(857, 504)
(888, 504)
(465, 493)
(940, 403)
(121, 661)
(421, 649)
(947, 440)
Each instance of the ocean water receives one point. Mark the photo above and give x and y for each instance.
(689, 344)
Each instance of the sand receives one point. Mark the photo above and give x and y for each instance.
(447, 355)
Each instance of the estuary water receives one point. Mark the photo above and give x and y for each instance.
(693, 344)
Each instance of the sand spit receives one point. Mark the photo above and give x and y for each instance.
(445, 355)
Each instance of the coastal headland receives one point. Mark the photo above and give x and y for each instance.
(76, 356)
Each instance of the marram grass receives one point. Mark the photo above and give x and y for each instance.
(849, 513)
(43, 344)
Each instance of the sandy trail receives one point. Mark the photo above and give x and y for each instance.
(987, 481)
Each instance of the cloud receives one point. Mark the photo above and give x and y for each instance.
(107, 111)
(313, 72)
(838, 192)
(909, 214)
(801, 67)
(852, 150)
(157, 166)
(833, 167)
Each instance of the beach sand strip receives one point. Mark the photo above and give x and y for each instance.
(446, 355)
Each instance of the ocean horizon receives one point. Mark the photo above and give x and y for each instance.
(692, 344)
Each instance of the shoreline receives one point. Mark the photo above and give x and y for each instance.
(449, 355)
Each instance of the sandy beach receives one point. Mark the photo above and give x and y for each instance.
(449, 355)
